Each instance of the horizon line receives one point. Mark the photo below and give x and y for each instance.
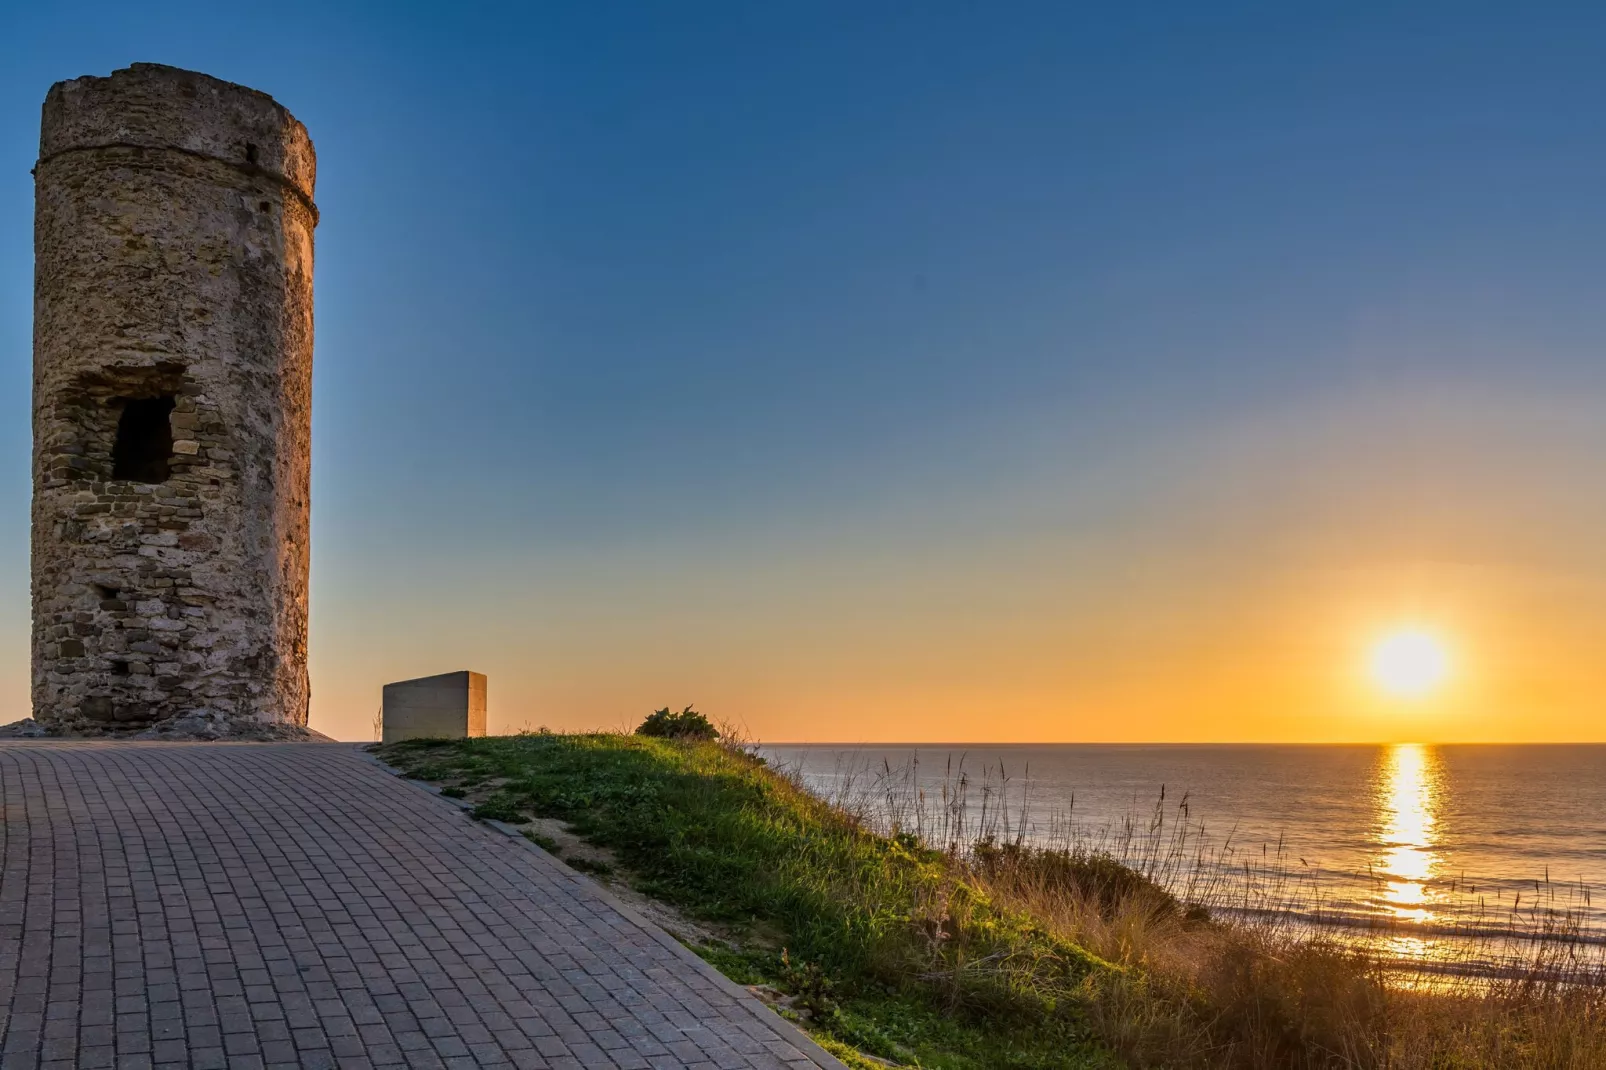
(1198, 743)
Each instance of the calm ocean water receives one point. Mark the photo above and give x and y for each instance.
(1423, 849)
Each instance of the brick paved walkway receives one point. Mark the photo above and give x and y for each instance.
(293, 904)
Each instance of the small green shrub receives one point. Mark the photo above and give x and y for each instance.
(810, 986)
(687, 724)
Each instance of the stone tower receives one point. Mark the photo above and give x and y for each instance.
(172, 397)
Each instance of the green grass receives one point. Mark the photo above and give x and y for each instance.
(546, 843)
(881, 945)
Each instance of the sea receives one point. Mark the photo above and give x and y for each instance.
(1460, 858)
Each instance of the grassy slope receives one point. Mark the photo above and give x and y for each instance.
(882, 946)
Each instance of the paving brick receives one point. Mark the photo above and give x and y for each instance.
(254, 905)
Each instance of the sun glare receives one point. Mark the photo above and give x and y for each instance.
(1409, 663)
(1408, 796)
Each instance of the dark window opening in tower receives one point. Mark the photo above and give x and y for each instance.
(144, 445)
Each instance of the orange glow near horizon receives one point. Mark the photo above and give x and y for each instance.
(1174, 600)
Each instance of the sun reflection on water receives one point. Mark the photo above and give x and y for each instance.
(1408, 797)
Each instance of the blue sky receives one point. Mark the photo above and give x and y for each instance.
(845, 366)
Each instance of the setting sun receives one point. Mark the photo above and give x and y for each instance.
(1409, 662)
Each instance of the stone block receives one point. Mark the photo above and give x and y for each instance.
(450, 706)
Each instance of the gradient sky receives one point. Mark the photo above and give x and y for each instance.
(925, 371)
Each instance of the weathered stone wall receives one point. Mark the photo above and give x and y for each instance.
(173, 274)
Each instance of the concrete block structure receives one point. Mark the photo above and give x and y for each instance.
(450, 706)
(172, 401)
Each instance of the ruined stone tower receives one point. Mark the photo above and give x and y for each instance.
(172, 403)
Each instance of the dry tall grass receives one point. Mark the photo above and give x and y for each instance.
(1227, 961)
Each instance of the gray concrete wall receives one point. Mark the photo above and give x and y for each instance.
(451, 705)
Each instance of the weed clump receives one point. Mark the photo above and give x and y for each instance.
(591, 865)
(546, 843)
(688, 724)
(1090, 876)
